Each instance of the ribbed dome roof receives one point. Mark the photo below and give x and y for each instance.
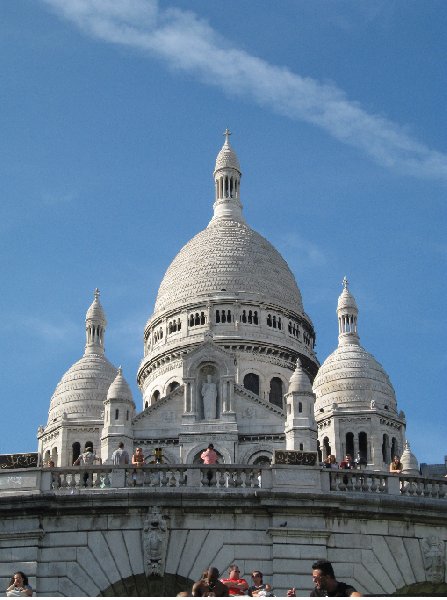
(351, 376)
(82, 390)
(299, 382)
(227, 157)
(95, 311)
(120, 388)
(228, 255)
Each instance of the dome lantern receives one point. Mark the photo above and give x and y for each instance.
(347, 312)
(227, 177)
(95, 327)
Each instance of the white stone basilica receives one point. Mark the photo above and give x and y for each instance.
(229, 359)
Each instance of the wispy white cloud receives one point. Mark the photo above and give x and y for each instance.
(52, 199)
(301, 250)
(48, 331)
(188, 43)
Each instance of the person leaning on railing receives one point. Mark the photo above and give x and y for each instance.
(87, 458)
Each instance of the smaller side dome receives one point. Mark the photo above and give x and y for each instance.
(299, 382)
(410, 465)
(119, 388)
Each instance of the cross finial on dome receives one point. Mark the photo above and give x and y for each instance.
(345, 282)
(120, 370)
(96, 293)
(227, 134)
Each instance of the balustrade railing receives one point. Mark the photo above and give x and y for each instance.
(358, 481)
(222, 477)
(423, 487)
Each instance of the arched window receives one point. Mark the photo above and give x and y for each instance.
(279, 322)
(301, 447)
(172, 386)
(274, 322)
(117, 414)
(262, 461)
(244, 317)
(363, 446)
(269, 320)
(276, 391)
(326, 447)
(385, 449)
(76, 450)
(320, 457)
(350, 443)
(255, 317)
(394, 450)
(202, 318)
(197, 319)
(223, 317)
(251, 382)
(217, 316)
(229, 316)
(155, 396)
(300, 407)
(146, 404)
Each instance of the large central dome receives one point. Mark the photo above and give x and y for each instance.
(228, 255)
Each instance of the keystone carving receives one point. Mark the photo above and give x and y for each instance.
(154, 542)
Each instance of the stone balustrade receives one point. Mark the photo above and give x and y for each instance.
(225, 478)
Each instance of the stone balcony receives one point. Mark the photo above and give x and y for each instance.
(245, 480)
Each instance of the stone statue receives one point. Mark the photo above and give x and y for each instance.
(209, 395)
(154, 543)
(434, 559)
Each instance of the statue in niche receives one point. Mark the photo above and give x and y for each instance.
(434, 560)
(154, 542)
(209, 395)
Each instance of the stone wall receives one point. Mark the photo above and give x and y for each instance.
(88, 541)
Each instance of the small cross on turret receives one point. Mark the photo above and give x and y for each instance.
(227, 134)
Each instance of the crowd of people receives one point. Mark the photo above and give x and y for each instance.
(348, 463)
(324, 580)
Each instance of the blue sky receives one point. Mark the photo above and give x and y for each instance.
(112, 114)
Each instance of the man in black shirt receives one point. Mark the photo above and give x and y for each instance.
(326, 584)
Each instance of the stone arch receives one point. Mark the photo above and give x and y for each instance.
(140, 585)
(251, 454)
(251, 382)
(276, 391)
(423, 588)
(189, 458)
(171, 385)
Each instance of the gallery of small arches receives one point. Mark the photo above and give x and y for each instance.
(251, 382)
(356, 445)
(222, 315)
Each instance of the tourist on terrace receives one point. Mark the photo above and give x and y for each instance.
(235, 584)
(209, 585)
(347, 463)
(120, 456)
(87, 458)
(396, 465)
(259, 588)
(325, 582)
(330, 462)
(209, 456)
(19, 586)
(137, 461)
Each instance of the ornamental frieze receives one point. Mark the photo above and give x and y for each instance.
(175, 364)
(293, 457)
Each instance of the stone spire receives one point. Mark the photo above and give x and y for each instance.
(227, 177)
(300, 427)
(410, 465)
(347, 312)
(95, 327)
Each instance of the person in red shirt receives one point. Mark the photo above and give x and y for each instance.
(209, 456)
(236, 586)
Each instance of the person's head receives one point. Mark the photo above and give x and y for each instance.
(257, 577)
(88, 448)
(348, 458)
(138, 450)
(19, 579)
(210, 446)
(234, 572)
(212, 574)
(121, 445)
(322, 574)
(396, 459)
(51, 463)
(332, 459)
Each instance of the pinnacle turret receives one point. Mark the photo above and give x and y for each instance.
(347, 312)
(95, 327)
(227, 177)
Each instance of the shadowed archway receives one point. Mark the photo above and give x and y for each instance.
(140, 585)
